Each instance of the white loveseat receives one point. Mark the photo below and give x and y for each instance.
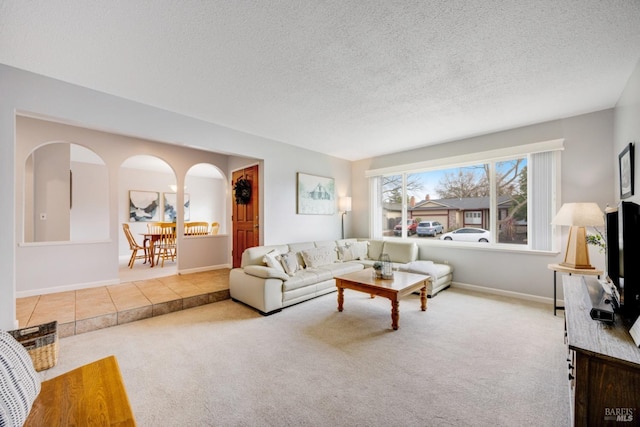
(277, 276)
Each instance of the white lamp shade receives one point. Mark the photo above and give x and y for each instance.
(579, 214)
(344, 204)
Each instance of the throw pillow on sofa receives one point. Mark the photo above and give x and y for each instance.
(271, 259)
(318, 257)
(359, 250)
(345, 253)
(289, 262)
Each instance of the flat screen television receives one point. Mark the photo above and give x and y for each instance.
(623, 256)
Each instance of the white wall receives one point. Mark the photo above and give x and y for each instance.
(627, 129)
(209, 199)
(90, 207)
(73, 264)
(88, 217)
(51, 193)
(587, 174)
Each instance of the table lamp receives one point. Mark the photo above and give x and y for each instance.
(578, 216)
(344, 206)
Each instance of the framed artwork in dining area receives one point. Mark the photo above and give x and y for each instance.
(170, 207)
(144, 206)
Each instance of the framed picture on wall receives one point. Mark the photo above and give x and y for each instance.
(625, 162)
(316, 195)
(144, 206)
(170, 211)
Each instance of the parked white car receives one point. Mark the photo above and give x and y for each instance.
(468, 234)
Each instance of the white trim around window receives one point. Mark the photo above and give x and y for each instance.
(543, 182)
(470, 158)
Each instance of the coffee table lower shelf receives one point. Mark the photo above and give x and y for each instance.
(401, 284)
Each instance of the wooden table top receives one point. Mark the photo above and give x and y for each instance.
(401, 279)
(590, 336)
(92, 394)
(583, 271)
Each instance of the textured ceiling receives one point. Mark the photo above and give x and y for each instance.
(352, 79)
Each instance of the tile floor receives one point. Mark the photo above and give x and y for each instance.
(142, 293)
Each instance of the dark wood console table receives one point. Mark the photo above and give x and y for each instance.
(604, 362)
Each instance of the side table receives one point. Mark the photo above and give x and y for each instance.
(563, 269)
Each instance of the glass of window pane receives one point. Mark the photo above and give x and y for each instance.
(391, 197)
(511, 189)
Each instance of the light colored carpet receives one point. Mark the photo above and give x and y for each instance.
(469, 360)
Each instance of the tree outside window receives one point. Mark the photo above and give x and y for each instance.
(461, 196)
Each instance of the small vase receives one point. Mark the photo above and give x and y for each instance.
(387, 268)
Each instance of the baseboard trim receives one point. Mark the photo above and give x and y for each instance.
(501, 292)
(65, 288)
(206, 268)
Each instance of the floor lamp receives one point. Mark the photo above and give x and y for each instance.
(578, 216)
(344, 206)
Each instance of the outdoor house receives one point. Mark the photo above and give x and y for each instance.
(457, 213)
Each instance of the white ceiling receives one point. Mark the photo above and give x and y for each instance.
(350, 78)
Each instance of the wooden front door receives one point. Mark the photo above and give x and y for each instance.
(246, 232)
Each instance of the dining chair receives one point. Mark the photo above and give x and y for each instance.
(166, 245)
(196, 228)
(134, 246)
(215, 227)
(154, 230)
(154, 227)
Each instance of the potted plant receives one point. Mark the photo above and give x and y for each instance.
(377, 267)
(597, 240)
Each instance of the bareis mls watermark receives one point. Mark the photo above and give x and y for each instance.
(626, 415)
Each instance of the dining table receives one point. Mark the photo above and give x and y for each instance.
(152, 238)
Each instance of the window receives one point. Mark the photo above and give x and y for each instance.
(511, 191)
(472, 218)
(488, 191)
(391, 196)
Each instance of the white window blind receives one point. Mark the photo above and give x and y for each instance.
(542, 176)
(375, 192)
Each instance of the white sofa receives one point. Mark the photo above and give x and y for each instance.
(269, 284)
(405, 257)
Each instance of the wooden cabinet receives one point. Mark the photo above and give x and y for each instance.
(603, 360)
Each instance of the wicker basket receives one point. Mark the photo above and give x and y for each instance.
(41, 342)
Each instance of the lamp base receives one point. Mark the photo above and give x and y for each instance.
(577, 266)
(577, 254)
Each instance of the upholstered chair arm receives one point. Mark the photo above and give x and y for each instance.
(265, 272)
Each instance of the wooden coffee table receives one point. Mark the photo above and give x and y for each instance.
(400, 285)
